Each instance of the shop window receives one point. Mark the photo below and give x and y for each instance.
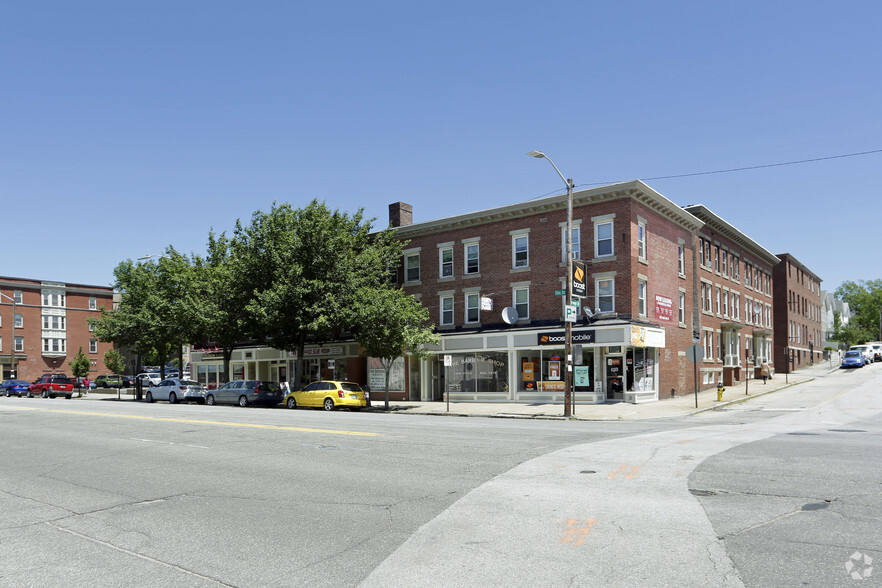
(477, 372)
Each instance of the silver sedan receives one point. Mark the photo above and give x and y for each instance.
(175, 390)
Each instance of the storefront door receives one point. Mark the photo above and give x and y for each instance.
(615, 373)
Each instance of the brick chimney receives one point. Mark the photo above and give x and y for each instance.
(400, 214)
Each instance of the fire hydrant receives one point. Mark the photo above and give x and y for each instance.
(720, 391)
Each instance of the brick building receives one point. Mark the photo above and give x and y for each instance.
(735, 300)
(638, 246)
(798, 314)
(50, 326)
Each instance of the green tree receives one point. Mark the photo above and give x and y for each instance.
(115, 362)
(307, 269)
(864, 300)
(225, 291)
(80, 365)
(389, 324)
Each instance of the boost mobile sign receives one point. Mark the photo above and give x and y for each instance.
(559, 337)
(580, 279)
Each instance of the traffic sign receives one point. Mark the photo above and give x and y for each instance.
(695, 353)
(560, 292)
(571, 313)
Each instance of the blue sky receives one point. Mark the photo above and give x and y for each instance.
(126, 127)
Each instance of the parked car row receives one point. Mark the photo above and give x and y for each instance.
(328, 395)
(861, 355)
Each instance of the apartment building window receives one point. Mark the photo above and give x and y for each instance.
(19, 343)
(641, 240)
(445, 262)
(577, 239)
(725, 262)
(19, 322)
(726, 303)
(681, 308)
(471, 258)
(603, 239)
(736, 268)
(16, 295)
(681, 259)
(717, 299)
(641, 297)
(412, 267)
(55, 345)
(93, 345)
(716, 258)
(53, 322)
(521, 298)
(55, 299)
(605, 290)
(93, 303)
(709, 345)
(703, 296)
(520, 251)
(473, 307)
(446, 305)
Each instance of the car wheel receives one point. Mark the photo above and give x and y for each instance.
(209, 400)
(291, 403)
(329, 404)
(172, 398)
(149, 397)
(243, 401)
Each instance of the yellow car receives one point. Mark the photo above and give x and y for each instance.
(328, 395)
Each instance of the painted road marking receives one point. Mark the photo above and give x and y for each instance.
(198, 422)
(629, 472)
(575, 535)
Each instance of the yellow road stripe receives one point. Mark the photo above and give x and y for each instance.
(198, 422)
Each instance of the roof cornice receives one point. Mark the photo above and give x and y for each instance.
(728, 230)
(634, 189)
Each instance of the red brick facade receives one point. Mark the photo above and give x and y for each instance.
(53, 326)
(797, 314)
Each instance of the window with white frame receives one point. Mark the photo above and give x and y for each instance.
(472, 258)
(717, 298)
(93, 345)
(446, 306)
(520, 250)
(605, 294)
(521, 302)
(641, 297)
(19, 322)
(91, 326)
(16, 295)
(445, 262)
(681, 259)
(412, 267)
(93, 303)
(19, 343)
(641, 240)
(681, 308)
(726, 303)
(55, 299)
(473, 307)
(54, 345)
(709, 345)
(603, 239)
(1, 343)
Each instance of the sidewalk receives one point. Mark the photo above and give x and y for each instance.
(616, 410)
(609, 411)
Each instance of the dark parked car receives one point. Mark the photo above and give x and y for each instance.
(52, 385)
(245, 392)
(14, 387)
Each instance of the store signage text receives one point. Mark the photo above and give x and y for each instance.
(559, 337)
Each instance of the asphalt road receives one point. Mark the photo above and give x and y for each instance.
(106, 493)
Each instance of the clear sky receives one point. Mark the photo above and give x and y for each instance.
(129, 126)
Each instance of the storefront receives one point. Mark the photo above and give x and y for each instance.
(611, 362)
(336, 361)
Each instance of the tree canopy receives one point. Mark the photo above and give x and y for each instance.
(864, 300)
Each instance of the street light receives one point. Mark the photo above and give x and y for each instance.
(568, 326)
(12, 366)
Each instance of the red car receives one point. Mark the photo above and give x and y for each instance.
(51, 385)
